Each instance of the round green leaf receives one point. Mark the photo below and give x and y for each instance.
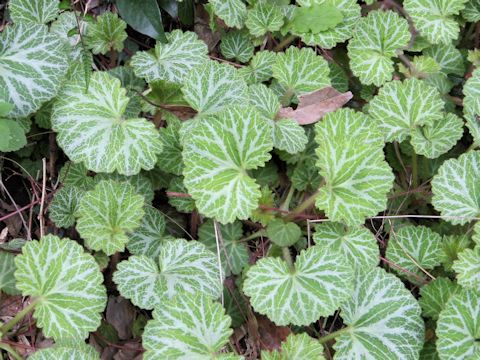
(66, 282)
(283, 233)
(383, 320)
(92, 128)
(188, 327)
(182, 267)
(317, 284)
(13, 135)
(296, 347)
(107, 213)
(7, 268)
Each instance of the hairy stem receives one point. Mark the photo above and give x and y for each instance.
(285, 42)
(333, 335)
(19, 317)
(287, 256)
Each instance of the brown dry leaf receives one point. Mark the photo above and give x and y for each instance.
(271, 335)
(313, 106)
(120, 314)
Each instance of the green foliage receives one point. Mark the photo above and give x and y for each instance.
(237, 45)
(66, 351)
(106, 34)
(263, 18)
(317, 18)
(283, 234)
(299, 347)
(33, 12)
(7, 268)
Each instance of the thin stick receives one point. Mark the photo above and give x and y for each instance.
(10, 350)
(218, 240)
(41, 219)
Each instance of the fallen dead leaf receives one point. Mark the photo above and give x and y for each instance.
(120, 314)
(271, 335)
(313, 106)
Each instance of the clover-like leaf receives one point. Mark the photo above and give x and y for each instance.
(107, 213)
(400, 107)
(467, 268)
(471, 12)
(301, 71)
(413, 248)
(435, 295)
(456, 190)
(263, 18)
(188, 327)
(383, 320)
(237, 45)
(65, 282)
(33, 11)
(298, 347)
(150, 236)
(34, 63)
(7, 268)
(182, 267)
(171, 61)
(234, 253)
(458, 327)
(352, 163)
(283, 233)
(92, 128)
(314, 286)
(213, 86)
(377, 39)
(232, 12)
(64, 205)
(357, 244)
(434, 140)
(107, 33)
(217, 153)
(350, 11)
(435, 20)
(448, 57)
(66, 351)
(260, 68)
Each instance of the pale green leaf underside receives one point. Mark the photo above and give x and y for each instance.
(357, 244)
(301, 71)
(213, 86)
(33, 11)
(64, 205)
(170, 61)
(188, 327)
(384, 320)
(296, 347)
(320, 282)
(182, 267)
(78, 350)
(7, 268)
(33, 63)
(458, 327)
(232, 12)
(217, 154)
(412, 246)
(69, 283)
(435, 295)
(467, 268)
(92, 129)
(327, 39)
(400, 107)
(376, 40)
(456, 190)
(107, 213)
(351, 161)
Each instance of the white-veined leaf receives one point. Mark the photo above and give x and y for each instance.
(107, 213)
(64, 205)
(33, 11)
(448, 57)
(412, 247)
(182, 267)
(458, 327)
(471, 12)
(327, 39)
(106, 34)
(66, 282)
(263, 18)
(301, 71)
(188, 327)
(319, 282)
(357, 244)
(237, 45)
(171, 158)
(383, 320)
(67, 351)
(34, 63)
(260, 68)
(264, 100)
(467, 267)
(435, 19)
(471, 104)
(76, 174)
(452, 245)
(92, 128)
(352, 164)
(296, 347)
(234, 254)
(150, 236)
(140, 183)
(171, 61)
(456, 190)
(232, 12)
(435, 295)
(217, 154)
(289, 136)
(377, 39)
(211, 87)
(7, 268)
(400, 107)
(182, 203)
